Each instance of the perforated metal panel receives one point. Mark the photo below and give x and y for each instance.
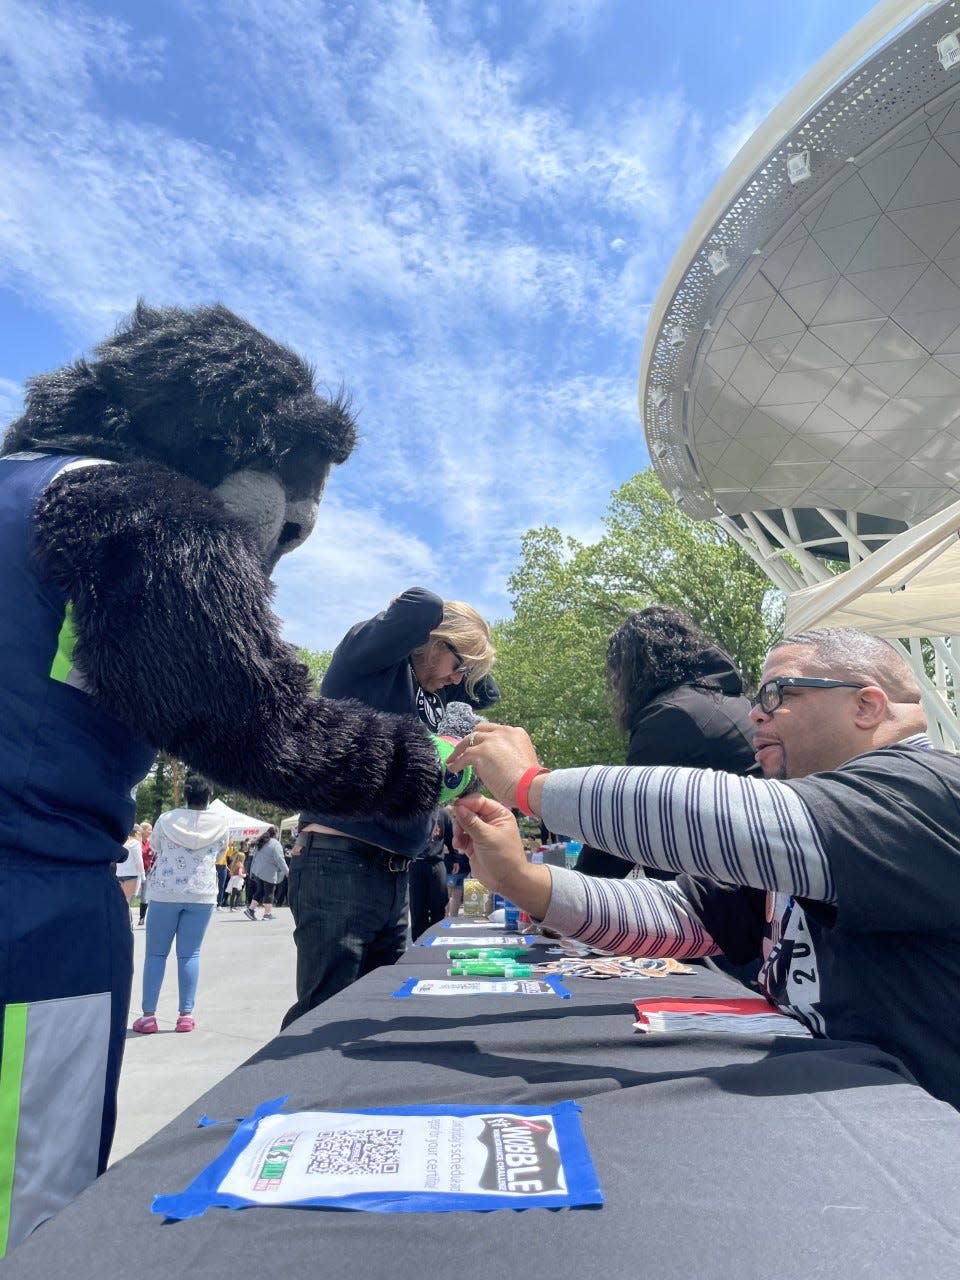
(820, 370)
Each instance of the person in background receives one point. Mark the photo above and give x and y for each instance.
(130, 870)
(283, 885)
(146, 833)
(223, 875)
(236, 880)
(267, 869)
(428, 877)
(457, 866)
(183, 893)
(680, 698)
(348, 882)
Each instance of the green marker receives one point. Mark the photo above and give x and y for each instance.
(487, 969)
(484, 953)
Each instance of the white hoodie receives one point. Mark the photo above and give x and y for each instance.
(187, 843)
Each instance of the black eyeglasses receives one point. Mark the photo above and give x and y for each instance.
(462, 667)
(770, 694)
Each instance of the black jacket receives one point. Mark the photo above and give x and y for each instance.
(703, 724)
(371, 665)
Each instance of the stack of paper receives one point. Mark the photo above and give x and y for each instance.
(748, 1015)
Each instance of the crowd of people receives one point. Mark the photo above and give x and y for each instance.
(146, 494)
(803, 839)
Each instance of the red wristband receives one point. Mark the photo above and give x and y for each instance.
(521, 797)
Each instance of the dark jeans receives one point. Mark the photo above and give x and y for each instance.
(428, 894)
(350, 914)
(223, 875)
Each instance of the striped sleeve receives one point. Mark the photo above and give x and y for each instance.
(636, 917)
(749, 831)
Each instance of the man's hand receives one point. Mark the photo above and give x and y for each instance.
(487, 833)
(500, 755)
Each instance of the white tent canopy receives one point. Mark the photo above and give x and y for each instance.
(289, 824)
(910, 587)
(242, 825)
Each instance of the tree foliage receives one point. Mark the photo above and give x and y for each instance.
(569, 596)
(316, 663)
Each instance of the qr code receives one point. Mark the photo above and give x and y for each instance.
(356, 1151)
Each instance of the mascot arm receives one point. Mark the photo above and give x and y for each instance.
(176, 639)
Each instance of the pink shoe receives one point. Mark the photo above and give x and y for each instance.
(185, 1022)
(146, 1025)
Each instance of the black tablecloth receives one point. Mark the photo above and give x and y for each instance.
(720, 1157)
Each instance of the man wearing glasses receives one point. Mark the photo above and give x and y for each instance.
(348, 886)
(840, 868)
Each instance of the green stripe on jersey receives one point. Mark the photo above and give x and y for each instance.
(11, 1079)
(66, 642)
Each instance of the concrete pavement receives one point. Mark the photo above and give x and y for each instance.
(247, 983)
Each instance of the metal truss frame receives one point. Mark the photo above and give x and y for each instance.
(772, 540)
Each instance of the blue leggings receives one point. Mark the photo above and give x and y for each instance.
(187, 922)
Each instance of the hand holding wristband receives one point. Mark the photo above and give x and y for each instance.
(521, 797)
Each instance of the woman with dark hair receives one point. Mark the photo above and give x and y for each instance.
(267, 869)
(681, 700)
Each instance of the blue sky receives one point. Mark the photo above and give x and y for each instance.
(462, 211)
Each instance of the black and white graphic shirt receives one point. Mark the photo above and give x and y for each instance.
(846, 883)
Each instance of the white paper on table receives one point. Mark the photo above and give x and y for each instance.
(305, 1155)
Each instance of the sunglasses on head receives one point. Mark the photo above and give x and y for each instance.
(770, 694)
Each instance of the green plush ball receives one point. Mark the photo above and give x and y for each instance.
(453, 784)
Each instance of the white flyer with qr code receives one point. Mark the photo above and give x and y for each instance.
(300, 1156)
(440, 1158)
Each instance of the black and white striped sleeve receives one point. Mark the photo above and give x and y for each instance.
(749, 831)
(635, 917)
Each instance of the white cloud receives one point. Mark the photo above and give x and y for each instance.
(352, 565)
(11, 402)
(435, 156)
(390, 199)
(736, 130)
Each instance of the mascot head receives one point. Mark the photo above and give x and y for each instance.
(204, 392)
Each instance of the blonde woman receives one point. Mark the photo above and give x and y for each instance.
(348, 881)
(236, 881)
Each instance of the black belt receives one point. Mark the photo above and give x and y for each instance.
(394, 862)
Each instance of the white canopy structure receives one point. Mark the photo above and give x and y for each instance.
(910, 587)
(291, 823)
(800, 381)
(242, 825)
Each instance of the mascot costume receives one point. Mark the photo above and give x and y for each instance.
(145, 496)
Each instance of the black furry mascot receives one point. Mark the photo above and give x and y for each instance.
(144, 498)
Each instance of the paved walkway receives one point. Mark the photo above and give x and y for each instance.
(247, 983)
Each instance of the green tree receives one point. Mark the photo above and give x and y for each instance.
(651, 553)
(568, 597)
(316, 663)
(550, 655)
(155, 793)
